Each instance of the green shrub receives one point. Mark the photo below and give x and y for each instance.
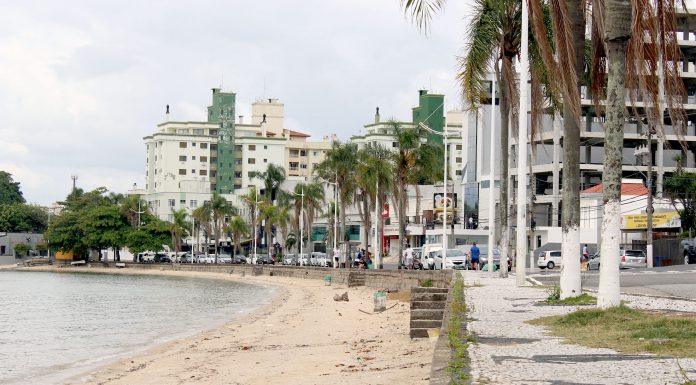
(21, 249)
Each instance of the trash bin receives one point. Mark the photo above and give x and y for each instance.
(327, 280)
(380, 301)
(657, 261)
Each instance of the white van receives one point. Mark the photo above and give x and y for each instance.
(549, 259)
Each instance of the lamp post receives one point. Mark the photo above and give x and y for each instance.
(444, 188)
(335, 221)
(491, 185)
(256, 219)
(301, 221)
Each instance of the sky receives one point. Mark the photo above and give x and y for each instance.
(83, 81)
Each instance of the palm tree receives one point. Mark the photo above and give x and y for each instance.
(339, 164)
(376, 168)
(313, 204)
(202, 216)
(252, 202)
(272, 178)
(178, 228)
(236, 229)
(219, 208)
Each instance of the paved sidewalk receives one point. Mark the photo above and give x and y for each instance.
(509, 351)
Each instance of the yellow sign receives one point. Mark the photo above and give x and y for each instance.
(640, 221)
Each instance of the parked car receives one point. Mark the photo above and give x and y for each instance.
(629, 259)
(161, 258)
(224, 258)
(688, 247)
(206, 259)
(549, 259)
(323, 260)
(303, 260)
(146, 257)
(264, 259)
(239, 259)
(186, 258)
(455, 259)
(288, 259)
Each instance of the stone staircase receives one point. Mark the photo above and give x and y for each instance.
(356, 279)
(427, 310)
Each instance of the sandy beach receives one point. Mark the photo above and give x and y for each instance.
(302, 337)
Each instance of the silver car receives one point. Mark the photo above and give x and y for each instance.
(629, 259)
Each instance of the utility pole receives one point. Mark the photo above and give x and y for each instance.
(74, 181)
(522, 153)
(491, 186)
(649, 248)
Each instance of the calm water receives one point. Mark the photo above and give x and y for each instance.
(57, 325)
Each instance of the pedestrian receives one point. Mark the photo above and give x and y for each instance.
(585, 253)
(474, 253)
(409, 258)
(471, 222)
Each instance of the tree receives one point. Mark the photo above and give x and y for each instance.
(340, 164)
(153, 235)
(21, 249)
(9, 189)
(219, 209)
(178, 228)
(251, 200)
(272, 178)
(20, 217)
(236, 229)
(103, 227)
(376, 168)
(202, 216)
(680, 188)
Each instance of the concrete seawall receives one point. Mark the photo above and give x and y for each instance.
(395, 280)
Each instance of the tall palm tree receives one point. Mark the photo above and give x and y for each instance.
(219, 208)
(272, 178)
(178, 228)
(252, 200)
(376, 167)
(340, 164)
(493, 41)
(202, 216)
(313, 205)
(236, 229)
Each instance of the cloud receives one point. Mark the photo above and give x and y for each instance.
(84, 81)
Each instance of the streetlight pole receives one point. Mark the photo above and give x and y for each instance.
(335, 185)
(649, 246)
(256, 215)
(301, 222)
(521, 268)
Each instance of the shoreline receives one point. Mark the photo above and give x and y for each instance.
(301, 336)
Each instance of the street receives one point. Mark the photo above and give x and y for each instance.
(677, 281)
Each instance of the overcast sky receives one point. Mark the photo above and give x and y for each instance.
(83, 81)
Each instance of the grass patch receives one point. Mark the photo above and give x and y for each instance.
(456, 336)
(626, 330)
(426, 283)
(582, 299)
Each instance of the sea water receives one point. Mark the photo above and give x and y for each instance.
(57, 325)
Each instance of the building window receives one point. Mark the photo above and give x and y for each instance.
(213, 173)
(293, 166)
(251, 161)
(182, 131)
(194, 203)
(252, 147)
(182, 158)
(251, 174)
(238, 162)
(193, 157)
(182, 145)
(395, 144)
(193, 172)
(213, 132)
(202, 172)
(182, 201)
(197, 131)
(204, 159)
(265, 161)
(458, 172)
(193, 144)
(314, 153)
(170, 217)
(204, 145)
(213, 147)
(238, 147)
(237, 174)
(458, 159)
(265, 147)
(171, 203)
(303, 153)
(459, 147)
(303, 165)
(182, 171)
(294, 153)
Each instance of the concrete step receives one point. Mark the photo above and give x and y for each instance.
(428, 296)
(419, 333)
(426, 324)
(429, 290)
(428, 304)
(427, 314)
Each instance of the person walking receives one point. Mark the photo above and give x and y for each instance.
(585, 257)
(475, 254)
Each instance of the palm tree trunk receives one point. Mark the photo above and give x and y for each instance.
(617, 32)
(402, 218)
(342, 237)
(504, 134)
(570, 283)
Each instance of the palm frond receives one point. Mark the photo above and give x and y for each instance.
(422, 11)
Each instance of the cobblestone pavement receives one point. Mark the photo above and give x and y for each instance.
(509, 351)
